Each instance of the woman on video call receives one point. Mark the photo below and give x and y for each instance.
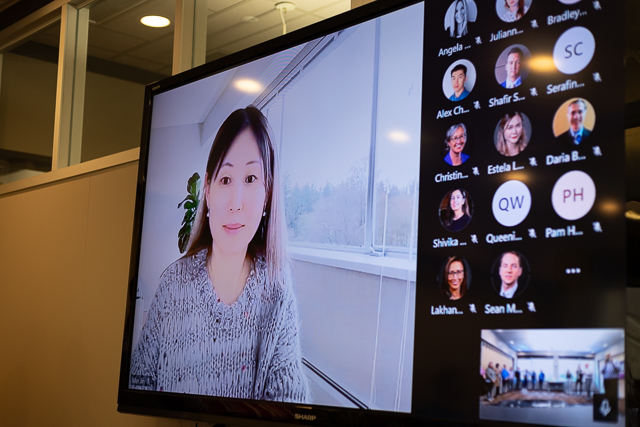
(457, 214)
(224, 320)
(454, 277)
(514, 10)
(458, 22)
(512, 136)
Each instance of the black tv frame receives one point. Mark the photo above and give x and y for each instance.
(214, 409)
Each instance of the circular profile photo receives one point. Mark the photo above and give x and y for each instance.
(454, 277)
(458, 17)
(456, 145)
(512, 134)
(574, 121)
(569, 1)
(456, 210)
(574, 50)
(510, 274)
(459, 80)
(511, 66)
(512, 10)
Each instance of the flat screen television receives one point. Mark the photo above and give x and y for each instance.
(409, 212)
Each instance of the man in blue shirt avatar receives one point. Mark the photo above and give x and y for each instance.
(458, 79)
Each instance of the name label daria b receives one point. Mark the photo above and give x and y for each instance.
(565, 158)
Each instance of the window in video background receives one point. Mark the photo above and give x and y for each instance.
(348, 126)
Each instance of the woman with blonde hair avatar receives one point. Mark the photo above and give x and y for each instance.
(458, 21)
(512, 135)
(224, 320)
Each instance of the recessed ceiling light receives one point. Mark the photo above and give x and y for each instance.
(155, 21)
(248, 85)
(249, 18)
(398, 136)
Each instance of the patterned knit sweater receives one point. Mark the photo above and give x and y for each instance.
(194, 343)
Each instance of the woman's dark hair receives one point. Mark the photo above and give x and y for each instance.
(269, 238)
(448, 219)
(444, 287)
(520, 11)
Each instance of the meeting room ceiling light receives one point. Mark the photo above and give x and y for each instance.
(248, 85)
(155, 21)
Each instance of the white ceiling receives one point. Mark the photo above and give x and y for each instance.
(560, 340)
(116, 34)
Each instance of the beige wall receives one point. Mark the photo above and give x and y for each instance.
(112, 114)
(27, 104)
(64, 258)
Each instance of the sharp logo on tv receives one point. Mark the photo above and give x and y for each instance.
(305, 417)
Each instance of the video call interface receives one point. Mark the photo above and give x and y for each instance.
(454, 234)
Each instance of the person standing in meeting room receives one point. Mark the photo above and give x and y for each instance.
(491, 379)
(505, 379)
(610, 374)
(513, 67)
(576, 114)
(579, 378)
(458, 81)
(510, 270)
(588, 379)
(455, 140)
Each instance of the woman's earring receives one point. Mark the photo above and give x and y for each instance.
(264, 213)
